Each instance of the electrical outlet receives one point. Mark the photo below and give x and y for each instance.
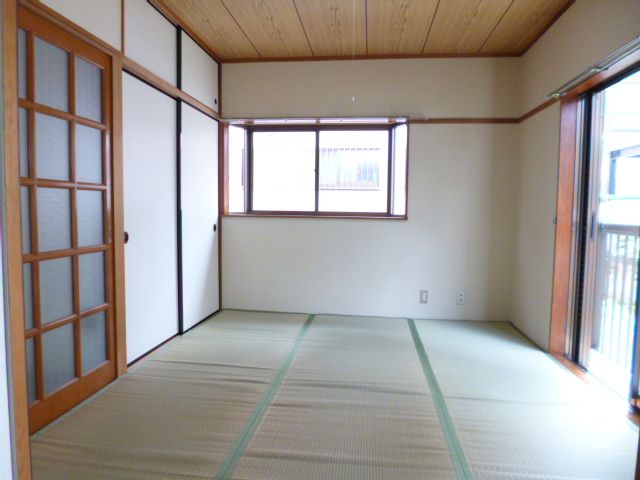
(460, 298)
(424, 296)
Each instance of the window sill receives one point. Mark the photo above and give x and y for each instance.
(349, 216)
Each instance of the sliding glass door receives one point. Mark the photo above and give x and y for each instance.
(65, 186)
(610, 244)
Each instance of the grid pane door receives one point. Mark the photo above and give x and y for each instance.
(65, 181)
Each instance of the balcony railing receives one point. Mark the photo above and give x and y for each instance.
(617, 283)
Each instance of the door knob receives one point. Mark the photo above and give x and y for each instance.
(126, 237)
(215, 227)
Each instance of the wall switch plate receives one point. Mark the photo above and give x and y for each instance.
(424, 296)
(460, 298)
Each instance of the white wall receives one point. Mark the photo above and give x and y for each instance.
(536, 205)
(454, 87)
(460, 231)
(458, 237)
(586, 33)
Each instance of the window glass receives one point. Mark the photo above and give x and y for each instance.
(284, 171)
(399, 201)
(318, 169)
(354, 169)
(236, 169)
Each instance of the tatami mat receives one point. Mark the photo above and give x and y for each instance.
(520, 415)
(177, 414)
(354, 405)
(491, 360)
(271, 396)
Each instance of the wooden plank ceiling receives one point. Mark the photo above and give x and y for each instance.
(246, 30)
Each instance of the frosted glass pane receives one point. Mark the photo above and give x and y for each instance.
(59, 357)
(28, 296)
(88, 90)
(25, 219)
(23, 130)
(91, 280)
(88, 154)
(54, 219)
(52, 147)
(52, 75)
(90, 218)
(56, 289)
(31, 371)
(22, 63)
(94, 341)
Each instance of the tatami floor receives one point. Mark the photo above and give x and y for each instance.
(253, 395)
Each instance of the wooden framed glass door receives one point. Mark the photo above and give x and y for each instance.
(64, 88)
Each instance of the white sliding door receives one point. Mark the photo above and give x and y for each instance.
(150, 39)
(199, 72)
(199, 205)
(100, 17)
(150, 211)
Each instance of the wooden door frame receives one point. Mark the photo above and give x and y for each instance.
(20, 408)
(568, 163)
(13, 237)
(49, 406)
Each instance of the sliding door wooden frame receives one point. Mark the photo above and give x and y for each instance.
(561, 306)
(19, 401)
(117, 186)
(563, 261)
(49, 405)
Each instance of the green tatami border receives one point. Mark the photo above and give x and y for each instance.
(231, 461)
(448, 429)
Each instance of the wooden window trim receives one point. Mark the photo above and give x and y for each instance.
(316, 213)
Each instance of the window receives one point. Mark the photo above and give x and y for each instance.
(283, 171)
(324, 170)
(354, 171)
